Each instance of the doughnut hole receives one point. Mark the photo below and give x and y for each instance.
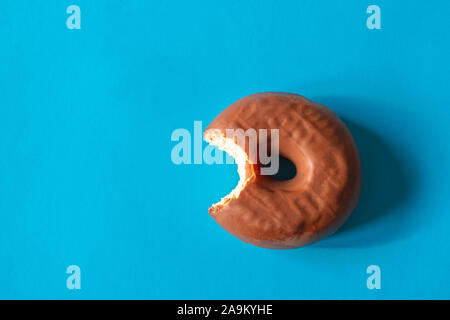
(286, 171)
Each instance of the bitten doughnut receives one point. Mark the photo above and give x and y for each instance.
(288, 214)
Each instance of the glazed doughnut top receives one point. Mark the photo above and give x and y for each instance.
(288, 214)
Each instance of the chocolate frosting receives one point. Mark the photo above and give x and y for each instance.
(289, 214)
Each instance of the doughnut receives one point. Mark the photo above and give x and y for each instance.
(277, 214)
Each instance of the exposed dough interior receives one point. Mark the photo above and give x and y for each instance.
(245, 169)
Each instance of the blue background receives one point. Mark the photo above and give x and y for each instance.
(86, 118)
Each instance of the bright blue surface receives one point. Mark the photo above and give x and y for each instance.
(85, 122)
